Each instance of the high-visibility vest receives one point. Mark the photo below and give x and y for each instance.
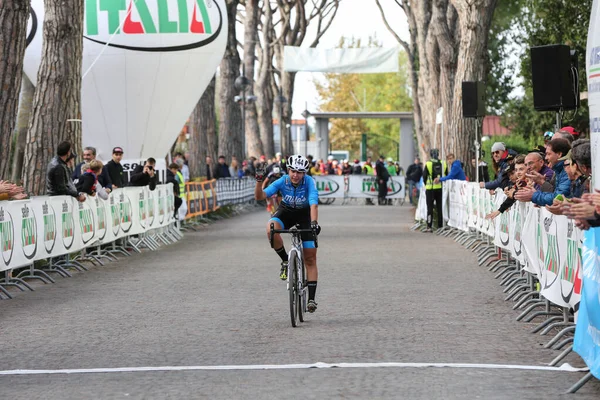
(181, 184)
(429, 185)
(369, 169)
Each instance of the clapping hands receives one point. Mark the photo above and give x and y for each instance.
(14, 192)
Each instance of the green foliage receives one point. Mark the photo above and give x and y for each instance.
(366, 92)
(529, 23)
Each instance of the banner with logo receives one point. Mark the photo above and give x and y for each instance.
(331, 186)
(366, 186)
(587, 332)
(517, 216)
(145, 66)
(18, 235)
(473, 192)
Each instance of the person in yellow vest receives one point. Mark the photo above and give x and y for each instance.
(434, 169)
(174, 178)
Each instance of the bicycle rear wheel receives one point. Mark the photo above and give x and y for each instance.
(302, 292)
(293, 285)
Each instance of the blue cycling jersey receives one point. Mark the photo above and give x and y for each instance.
(302, 196)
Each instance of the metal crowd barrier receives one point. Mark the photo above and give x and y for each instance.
(535, 255)
(47, 235)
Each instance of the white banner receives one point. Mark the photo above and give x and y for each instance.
(331, 186)
(44, 226)
(366, 186)
(356, 60)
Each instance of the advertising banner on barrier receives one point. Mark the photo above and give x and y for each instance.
(18, 235)
(473, 192)
(517, 216)
(587, 332)
(502, 234)
(331, 186)
(366, 186)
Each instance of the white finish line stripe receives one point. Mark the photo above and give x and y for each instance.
(563, 368)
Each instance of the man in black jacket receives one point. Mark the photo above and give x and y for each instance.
(58, 177)
(144, 176)
(222, 169)
(382, 178)
(115, 169)
(413, 177)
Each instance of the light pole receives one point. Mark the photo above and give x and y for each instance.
(305, 114)
(241, 84)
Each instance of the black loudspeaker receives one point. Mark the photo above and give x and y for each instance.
(473, 99)
(553, 72)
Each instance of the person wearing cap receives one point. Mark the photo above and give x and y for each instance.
(501, 157)
(115, 169)
(346, 168)
(548, 136)
(516, 175)
(576, 135)
(391, 167)
(356, 168)
(556, 154)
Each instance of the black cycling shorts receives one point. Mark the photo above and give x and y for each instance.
(289, 217)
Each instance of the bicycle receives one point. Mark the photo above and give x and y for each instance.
(298, 292)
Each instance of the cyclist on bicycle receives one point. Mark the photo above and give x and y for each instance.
(299, 205)
(273, 201)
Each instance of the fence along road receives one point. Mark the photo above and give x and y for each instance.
(214, 299)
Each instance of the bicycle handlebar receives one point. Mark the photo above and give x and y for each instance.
(294, 230)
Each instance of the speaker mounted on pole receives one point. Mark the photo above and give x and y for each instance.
(555, 78)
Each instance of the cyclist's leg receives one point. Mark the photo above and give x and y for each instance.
(310, 262)
(280, 221)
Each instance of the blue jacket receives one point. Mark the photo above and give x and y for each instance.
(562, 185)
(500, 182)
(456, 172)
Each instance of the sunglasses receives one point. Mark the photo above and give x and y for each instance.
(497, 152)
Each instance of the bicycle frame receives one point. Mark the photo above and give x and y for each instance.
(295, 285)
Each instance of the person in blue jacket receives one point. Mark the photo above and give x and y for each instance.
(556, 153)
(456, 169)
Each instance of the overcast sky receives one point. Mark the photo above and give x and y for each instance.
(358, 18)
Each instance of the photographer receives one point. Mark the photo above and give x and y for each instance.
(145, 176)
(58, 176)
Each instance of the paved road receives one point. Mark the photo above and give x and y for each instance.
(385, 295)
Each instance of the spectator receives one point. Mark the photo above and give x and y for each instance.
(413, 177)
(368, 167)
(578, 180)
(185, 170)
(484, 173)
(346, 168)
(209, 168)
(115, 169)
(89, 154)
(382, 178)
(58, 177)
(222, 170)
(88, 181)
(570, 130)
(501, 157)
(391, 167)
(10, 191)
(145, 175)
(456, 170)
(311, 162)
(234, 168)
(563, 135)
(315, 169)
(556, 153)
(548, 136)
(433, 170)
(356, 168)
(537, 170)
(516, 174)
(582, 155)
(172, 172)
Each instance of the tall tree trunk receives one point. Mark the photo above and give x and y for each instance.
(287, 83)
(449, 43)
(253, 142)
(263, 88)
(203, 134)
(475, 22)
(58, 92)
(13, 32)
(231, 140)
(27, 91)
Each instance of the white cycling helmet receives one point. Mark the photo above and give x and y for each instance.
(297, 163)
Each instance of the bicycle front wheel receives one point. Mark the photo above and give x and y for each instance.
(302, 291)
(293, 285)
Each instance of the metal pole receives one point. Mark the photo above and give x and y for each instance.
(477, 150)
(306, 130)
(557, 121)
(281, 125)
